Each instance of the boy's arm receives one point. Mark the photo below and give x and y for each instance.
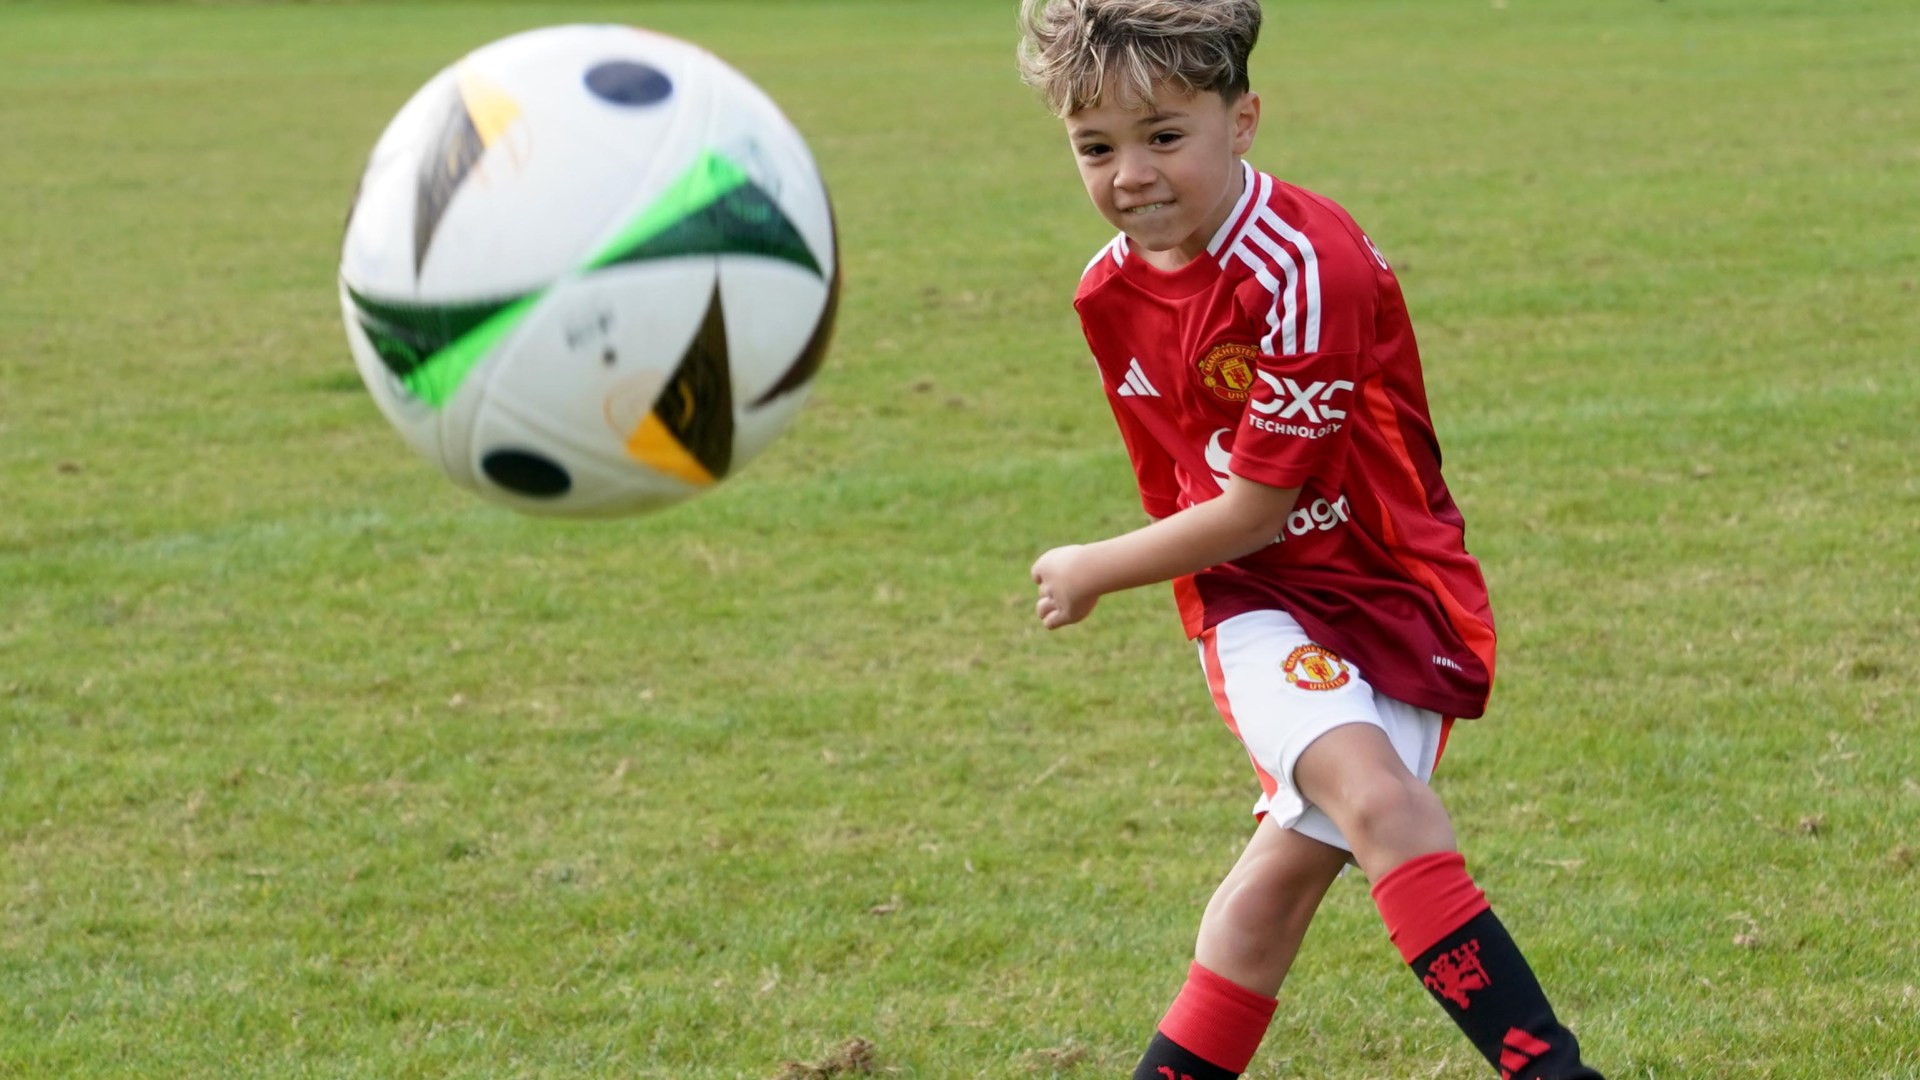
(1243, 519)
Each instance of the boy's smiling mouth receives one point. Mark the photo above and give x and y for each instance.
(1146, 209)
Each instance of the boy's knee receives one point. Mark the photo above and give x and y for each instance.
(1384, 804)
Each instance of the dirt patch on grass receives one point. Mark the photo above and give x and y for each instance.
(855, 1058)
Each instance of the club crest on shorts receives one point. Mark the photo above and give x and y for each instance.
(1227, 371)
(1312, 667)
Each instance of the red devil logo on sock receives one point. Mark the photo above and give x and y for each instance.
(1457, 973)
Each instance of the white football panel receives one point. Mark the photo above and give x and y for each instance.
(772, 308)
(571, 170)
(377, 252)
(556, 370)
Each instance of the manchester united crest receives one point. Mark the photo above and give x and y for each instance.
(1227, 371)
(1311, 667)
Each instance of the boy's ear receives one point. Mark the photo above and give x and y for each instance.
(1246, 121)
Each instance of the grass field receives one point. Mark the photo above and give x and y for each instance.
(312, 765)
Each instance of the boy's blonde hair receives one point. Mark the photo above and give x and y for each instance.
(1074, 51)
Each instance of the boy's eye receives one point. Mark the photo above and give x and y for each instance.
(1093, 149)
(1165, 138)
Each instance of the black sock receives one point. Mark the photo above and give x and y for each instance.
(1479, 977)
(1168, 1060)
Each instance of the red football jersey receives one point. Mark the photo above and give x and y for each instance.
(1285, 355)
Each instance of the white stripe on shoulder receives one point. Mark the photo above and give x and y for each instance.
(1098, 255)
(1247, 194)
(1264, 275)
(1116, 250)
(1284, 262)
(1254, 189)
(1310, 270)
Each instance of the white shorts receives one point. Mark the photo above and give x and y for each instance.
(1278, 691)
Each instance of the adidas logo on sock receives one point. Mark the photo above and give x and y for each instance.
(1518, 1050)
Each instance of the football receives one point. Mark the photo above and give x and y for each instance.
(589, 271)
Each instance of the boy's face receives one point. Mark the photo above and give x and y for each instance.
(1166, 174)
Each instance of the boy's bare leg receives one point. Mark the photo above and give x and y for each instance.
(1353, 774)
(1248, 938)
(1258, 916)
(1434, 913)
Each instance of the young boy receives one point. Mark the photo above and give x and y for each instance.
(1259, 360)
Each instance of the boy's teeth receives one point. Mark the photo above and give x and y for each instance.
(1147, 208)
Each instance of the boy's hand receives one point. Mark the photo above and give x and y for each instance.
(1246, 517)
(1065, 597)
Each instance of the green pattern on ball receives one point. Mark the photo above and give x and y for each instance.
(711, 209)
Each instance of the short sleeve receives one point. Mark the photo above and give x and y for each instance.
(1296, 425)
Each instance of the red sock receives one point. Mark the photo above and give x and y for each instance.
(1218, 1020)
(1426, 898)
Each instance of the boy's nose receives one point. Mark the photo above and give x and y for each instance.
(1133, 172)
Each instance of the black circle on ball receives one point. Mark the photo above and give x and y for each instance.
(525, 473)
(627, 82)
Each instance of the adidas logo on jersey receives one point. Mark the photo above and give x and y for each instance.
(1136, 384)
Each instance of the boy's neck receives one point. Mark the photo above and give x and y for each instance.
(1164, 261)
(1172, 259)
